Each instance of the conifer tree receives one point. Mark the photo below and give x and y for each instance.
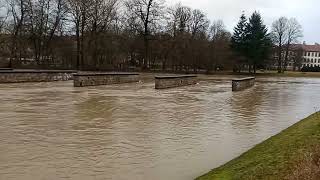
(238, 40)
(258, 41)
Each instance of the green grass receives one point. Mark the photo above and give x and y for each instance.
(274, 158)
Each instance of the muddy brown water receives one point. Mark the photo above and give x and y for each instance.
(132, 131)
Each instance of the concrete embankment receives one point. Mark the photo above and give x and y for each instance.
(97, 79)
(19, 76)
(243, 83)
(164, 82)
(279, 157)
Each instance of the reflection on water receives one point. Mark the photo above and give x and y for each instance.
(132, 131)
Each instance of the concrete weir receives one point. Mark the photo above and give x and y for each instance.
(20, 76)
(164, 82)
(243, 83)
(97, 79)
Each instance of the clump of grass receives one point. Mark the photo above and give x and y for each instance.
(307, 167)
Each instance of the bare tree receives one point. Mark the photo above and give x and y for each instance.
(279, 37)
(199, 22)
(18, 9)
(199, 25)
(75, 9)
(181, 16)
(294, 32)
(3, 15)
(102, 14)
(44, 19)
(147, 13)
(217, 29)
(178, 26)
(219, 45)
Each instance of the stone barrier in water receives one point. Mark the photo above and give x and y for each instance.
(20, 76)
(97, 79)
(243, 83)
(164, 82)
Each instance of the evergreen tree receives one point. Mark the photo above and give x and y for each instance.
(238, 40)
(258, 41)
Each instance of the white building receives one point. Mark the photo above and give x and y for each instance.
(300, 55)
(311, 55)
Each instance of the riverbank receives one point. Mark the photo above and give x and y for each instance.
(272, 74)
(292, 154)
(289, 74)
(259, 73)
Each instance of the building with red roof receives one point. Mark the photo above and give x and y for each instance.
(301, 55)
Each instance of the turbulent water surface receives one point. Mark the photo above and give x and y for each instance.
(132, 131)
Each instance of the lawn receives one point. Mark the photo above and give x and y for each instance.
(284, 156)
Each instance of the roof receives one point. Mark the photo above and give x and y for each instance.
(305, 47)
(312, 48)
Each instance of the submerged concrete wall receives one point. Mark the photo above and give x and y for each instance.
(164, 82)
(243, 83)
(96, 79)
(19, 76)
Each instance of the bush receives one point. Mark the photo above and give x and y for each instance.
(311, 69)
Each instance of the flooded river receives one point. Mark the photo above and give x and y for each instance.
(132, 131)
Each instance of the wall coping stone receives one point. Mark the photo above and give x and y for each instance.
(243, 79)
(175, 77)
(36, 71)
(106, 74)
(6, 69)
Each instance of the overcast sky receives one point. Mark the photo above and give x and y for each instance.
(306, 11)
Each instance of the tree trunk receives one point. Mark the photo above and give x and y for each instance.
(280, 58)
(78, 45)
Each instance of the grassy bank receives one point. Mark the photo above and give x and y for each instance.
(292, 154)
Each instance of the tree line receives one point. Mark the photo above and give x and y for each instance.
(118, 35)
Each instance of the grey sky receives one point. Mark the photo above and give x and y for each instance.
(306, 11)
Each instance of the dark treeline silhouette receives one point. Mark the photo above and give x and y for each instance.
(125, 35)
